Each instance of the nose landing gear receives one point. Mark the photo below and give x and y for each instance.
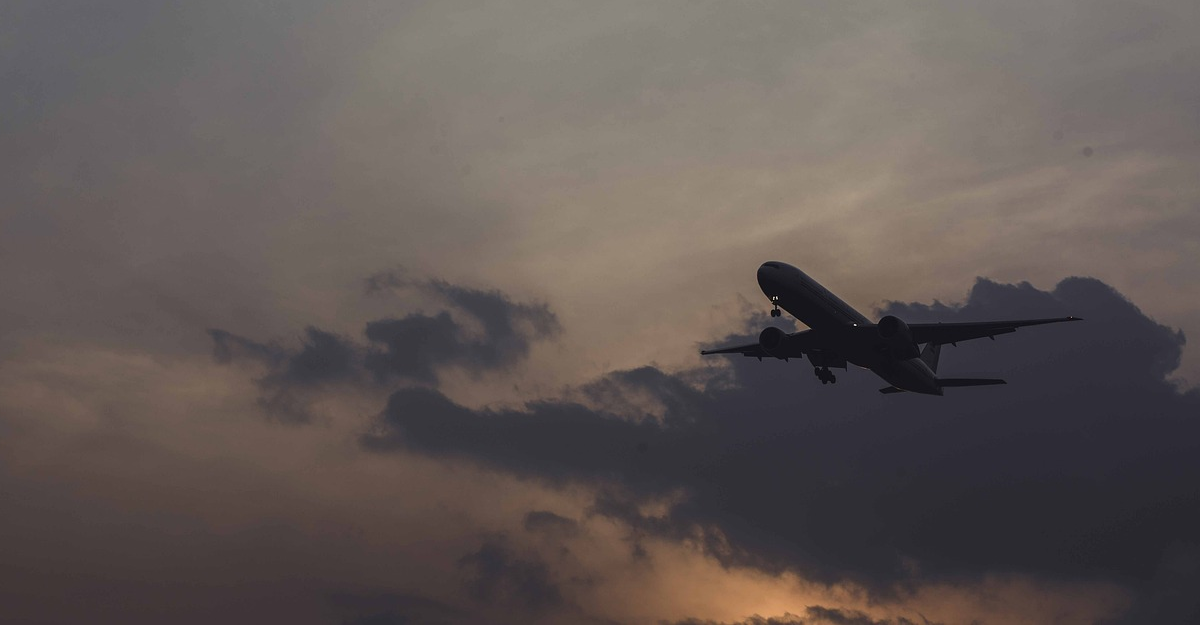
(775, 312)
(825, 375)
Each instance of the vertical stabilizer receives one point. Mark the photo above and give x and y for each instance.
(930, 355)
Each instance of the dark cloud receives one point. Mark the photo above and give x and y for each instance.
(496, 574)
(410, 349)
(786, 619)
(554, 441)
(503, 319)
(414, 346)
(544, 521)
(1083, 468)
(228, 347)
(384, 281)
(323, 358)
(831, 616)
(814, 615)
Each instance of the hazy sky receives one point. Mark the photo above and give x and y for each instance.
(389, 312)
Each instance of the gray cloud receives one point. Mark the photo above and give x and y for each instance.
(323, 359)
(228, 347)
(1081, 468)
(414, 346)
(786, 619)
(544, 521)
(813, 615)
(834, 616)
(411, 349)
(496, 574)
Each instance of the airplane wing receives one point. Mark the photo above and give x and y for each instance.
(753, 349)
(794, 345)
(941, 333)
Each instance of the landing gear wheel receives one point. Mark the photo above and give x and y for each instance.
(832, 378)
(775, 312)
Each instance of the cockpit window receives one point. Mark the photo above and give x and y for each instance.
(772, 265)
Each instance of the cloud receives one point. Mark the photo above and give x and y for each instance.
(814, 615)
(546, 522)
(324, 358)
(507, 325)
(832, 616)
(228, 347)
(409, 349)
(786, 619)
(415, 344)
(1083, 468)
(496, 574)
(414, 347)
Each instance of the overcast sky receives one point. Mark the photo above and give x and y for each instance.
(389, 312)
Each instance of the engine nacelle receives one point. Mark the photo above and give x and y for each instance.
(772, 339)
(897, 338)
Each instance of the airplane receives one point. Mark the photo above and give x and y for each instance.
(839, 334)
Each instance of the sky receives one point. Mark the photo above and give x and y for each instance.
(389, 312)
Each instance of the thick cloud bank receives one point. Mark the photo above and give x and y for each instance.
(1083, 468)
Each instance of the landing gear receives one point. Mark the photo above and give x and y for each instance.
(825, 375)
(775, 312)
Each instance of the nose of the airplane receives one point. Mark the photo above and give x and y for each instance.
(768, 276)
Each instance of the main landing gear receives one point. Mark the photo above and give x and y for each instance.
(775, 312)
(825, 375)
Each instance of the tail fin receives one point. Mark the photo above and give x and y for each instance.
(930, 355)
(948, 382)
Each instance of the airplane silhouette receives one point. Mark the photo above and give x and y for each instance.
(839, 334)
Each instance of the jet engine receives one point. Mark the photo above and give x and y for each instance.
(772, 339)
(898, 338)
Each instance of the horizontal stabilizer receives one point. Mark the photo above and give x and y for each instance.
(891, 389)
(948, 382)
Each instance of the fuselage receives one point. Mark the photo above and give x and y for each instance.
(840, 329)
